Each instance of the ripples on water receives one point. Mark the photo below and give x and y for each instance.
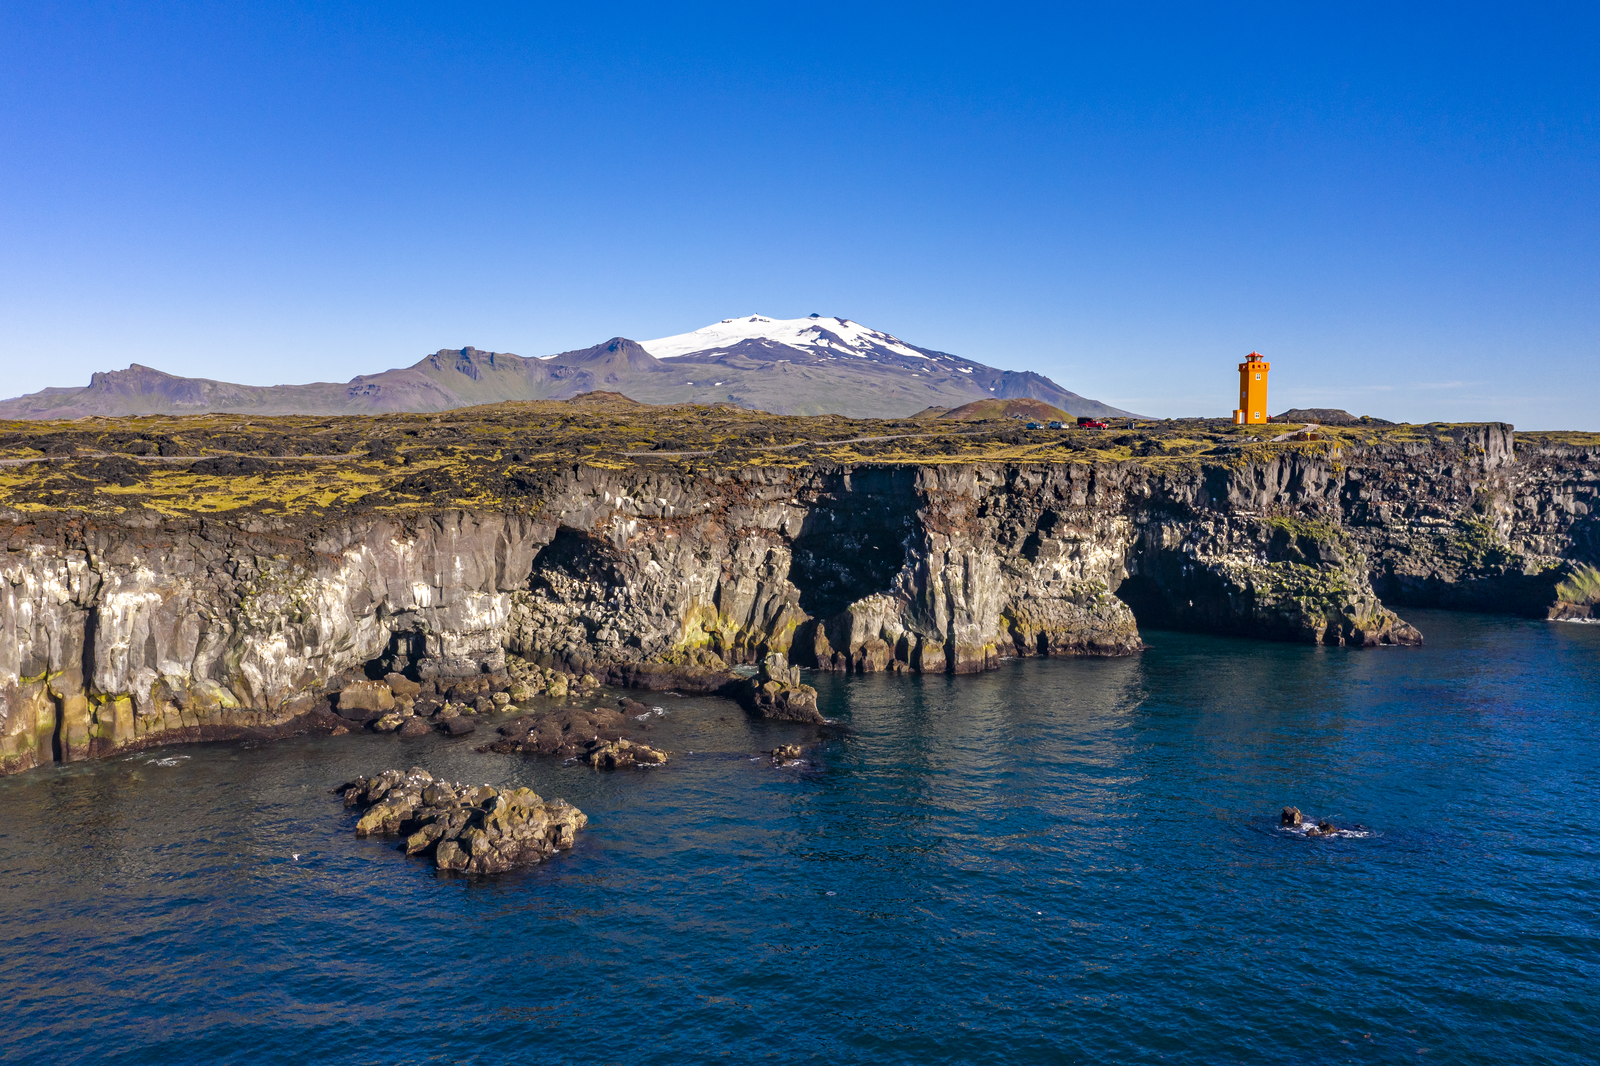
(1060, 861)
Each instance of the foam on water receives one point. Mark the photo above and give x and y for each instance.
(1304, 832)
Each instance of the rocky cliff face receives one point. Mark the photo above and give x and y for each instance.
(127, 632)
(1506, 535)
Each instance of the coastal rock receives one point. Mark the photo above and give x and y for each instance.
(566, 732)
(777, 692)
(530, 681)
(413, 727)
(382, 818)
(480, 830)
(402, 686)
(363, 699)
(618, 754)
(458, 726)
(1290, 817)
(449, 856)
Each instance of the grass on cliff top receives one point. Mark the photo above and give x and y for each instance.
(1570, 437)
(501, 456)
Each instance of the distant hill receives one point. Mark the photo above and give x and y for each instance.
(787, 366)
(1021, 407)
(1328, 416)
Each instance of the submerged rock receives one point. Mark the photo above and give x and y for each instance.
(477, 829)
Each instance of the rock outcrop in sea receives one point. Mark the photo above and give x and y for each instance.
(126, 630)
(471, 829)
(598, 735)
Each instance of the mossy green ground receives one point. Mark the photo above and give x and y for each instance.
(498, 455)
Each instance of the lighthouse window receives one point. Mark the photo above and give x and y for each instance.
(1258, 377)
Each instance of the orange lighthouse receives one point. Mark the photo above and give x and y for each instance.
(1252, 391)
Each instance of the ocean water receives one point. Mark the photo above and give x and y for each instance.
(1062, 861)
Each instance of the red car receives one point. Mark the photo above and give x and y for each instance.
(1090, 423)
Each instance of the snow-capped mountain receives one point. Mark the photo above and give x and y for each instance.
(882, 372)
(807, 366)
(816, 335)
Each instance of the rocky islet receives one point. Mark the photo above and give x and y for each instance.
(469, 829)
(1292, 818)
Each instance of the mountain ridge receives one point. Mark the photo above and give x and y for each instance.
(793, 366)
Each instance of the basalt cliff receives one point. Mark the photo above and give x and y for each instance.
(177, 579)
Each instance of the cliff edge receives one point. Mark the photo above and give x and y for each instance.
(166, 579)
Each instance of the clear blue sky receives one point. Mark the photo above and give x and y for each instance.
(1398, 206)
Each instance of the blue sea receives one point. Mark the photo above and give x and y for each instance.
(1062, 861)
